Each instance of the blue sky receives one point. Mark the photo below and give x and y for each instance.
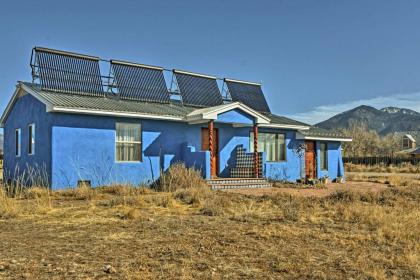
(314, 58)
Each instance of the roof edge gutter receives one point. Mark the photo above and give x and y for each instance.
(115, 114)
(288, 126)
(321, 138)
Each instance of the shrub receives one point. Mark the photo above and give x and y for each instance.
(82, 192)
(162, 200)
(216, 205)
(179, 177)
(121, 200)
(343, 196)
(129, 213)
(117, 190)
(194, 196)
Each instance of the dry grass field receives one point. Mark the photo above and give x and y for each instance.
(185, 231)
(380, 168)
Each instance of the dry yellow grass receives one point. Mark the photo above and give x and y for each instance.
(402, 168)
(186, 234)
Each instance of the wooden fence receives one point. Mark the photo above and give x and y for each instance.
(383, 160)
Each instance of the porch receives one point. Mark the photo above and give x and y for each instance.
(226, 137)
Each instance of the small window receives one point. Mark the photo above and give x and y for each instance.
(17, 142)
(31, 139)
(324, 156)
(128, 142)
(272, 144)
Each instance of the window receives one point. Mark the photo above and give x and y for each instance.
(272, 144)
(17, 142)
(128, 142)
(324, 156)
(31, 139)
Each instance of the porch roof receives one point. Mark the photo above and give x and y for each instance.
(211, 113)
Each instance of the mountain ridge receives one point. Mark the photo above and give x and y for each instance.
(383, 121)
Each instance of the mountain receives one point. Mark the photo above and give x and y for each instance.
(384, 121)
(396, 110)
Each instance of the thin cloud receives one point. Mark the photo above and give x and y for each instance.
(321, 113)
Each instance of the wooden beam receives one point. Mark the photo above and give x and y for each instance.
(256, 159)
(211, 146)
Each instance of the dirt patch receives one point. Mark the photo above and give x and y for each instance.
(127, 233)
(315, 192)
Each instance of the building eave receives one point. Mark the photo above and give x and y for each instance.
(300, 136)
(285, 126)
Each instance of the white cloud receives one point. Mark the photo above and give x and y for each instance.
(321, 113)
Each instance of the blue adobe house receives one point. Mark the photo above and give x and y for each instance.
(78, 125)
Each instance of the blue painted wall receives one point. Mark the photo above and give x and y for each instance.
(334, 162)
(200, 160)
(27, 110)
(291, 169)
(235, 116)
(84, 149)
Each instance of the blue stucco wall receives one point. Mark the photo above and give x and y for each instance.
(84, 149)
(230, 138)
(291, 169)
(200, 160)
(27, 110)
(235, 116)
(334, 162)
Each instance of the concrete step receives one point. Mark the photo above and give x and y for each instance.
(238, 183)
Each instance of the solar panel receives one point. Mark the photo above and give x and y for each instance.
(248, 93)
(68, 72)
(140, 82)
(198, 90)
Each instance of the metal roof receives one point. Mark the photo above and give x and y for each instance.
(75, 101)
(111, 104)
(276, 119)
(320, 132)
(412, 151)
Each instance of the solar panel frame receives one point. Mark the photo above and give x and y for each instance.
(198, 90)
(140, 82)
(248, 93)
(69, 72)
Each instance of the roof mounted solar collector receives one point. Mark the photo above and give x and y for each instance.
(140, 82)
(197, 89)
(68, 72)
(248, 93)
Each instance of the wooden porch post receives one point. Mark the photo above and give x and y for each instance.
(211, 146)
(256, 159)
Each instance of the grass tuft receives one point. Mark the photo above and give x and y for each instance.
(179, 177)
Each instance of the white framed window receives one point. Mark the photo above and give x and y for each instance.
(128, 142)
(324, 156)
(31, 139)
(272, 144)
(18, 138)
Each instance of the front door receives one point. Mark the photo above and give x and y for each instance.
(310, 159)
(205, 146)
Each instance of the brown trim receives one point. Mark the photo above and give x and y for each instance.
(256, 151)
(310, 160)
(214, 149)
